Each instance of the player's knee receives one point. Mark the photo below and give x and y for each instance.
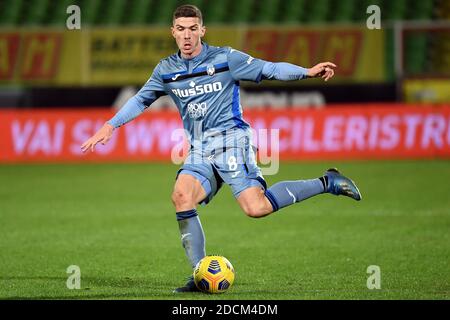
(253, 203)
(254, 211)
(181, 198)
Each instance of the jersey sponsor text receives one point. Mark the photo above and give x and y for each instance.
(198, 90)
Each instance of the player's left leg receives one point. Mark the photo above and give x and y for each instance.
(256, 203)
(236, 165)
(238, 168)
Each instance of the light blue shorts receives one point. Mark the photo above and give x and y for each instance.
(227, 158)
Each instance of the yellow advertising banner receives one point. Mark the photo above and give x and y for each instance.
(427, 90)
(358, 52)
(41, 56)
(127, 56)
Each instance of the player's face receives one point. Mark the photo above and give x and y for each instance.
(188, 32)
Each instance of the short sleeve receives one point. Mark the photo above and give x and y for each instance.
(244, 67)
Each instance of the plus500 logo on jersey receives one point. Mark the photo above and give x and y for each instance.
(198, 90)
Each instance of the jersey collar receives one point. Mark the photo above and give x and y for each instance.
(200, 57)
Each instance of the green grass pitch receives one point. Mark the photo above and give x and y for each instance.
(116, 222)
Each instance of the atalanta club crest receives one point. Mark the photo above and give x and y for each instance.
(210, 70)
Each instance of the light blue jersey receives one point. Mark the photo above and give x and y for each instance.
(206, 92)
(206, 87)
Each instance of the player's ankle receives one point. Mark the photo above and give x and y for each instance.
(324, 180)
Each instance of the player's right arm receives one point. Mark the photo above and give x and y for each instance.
(148, 94)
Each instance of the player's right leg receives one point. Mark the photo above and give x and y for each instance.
(188, 192)
(196, 183)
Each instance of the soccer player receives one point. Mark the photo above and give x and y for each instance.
(203, 81)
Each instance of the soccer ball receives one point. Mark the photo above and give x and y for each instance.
(213, 274)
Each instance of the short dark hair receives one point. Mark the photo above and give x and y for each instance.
(188, 11)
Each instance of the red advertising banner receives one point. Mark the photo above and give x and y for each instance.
(365, 132)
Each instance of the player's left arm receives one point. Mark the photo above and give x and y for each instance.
(245, 67)
(286, 71)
